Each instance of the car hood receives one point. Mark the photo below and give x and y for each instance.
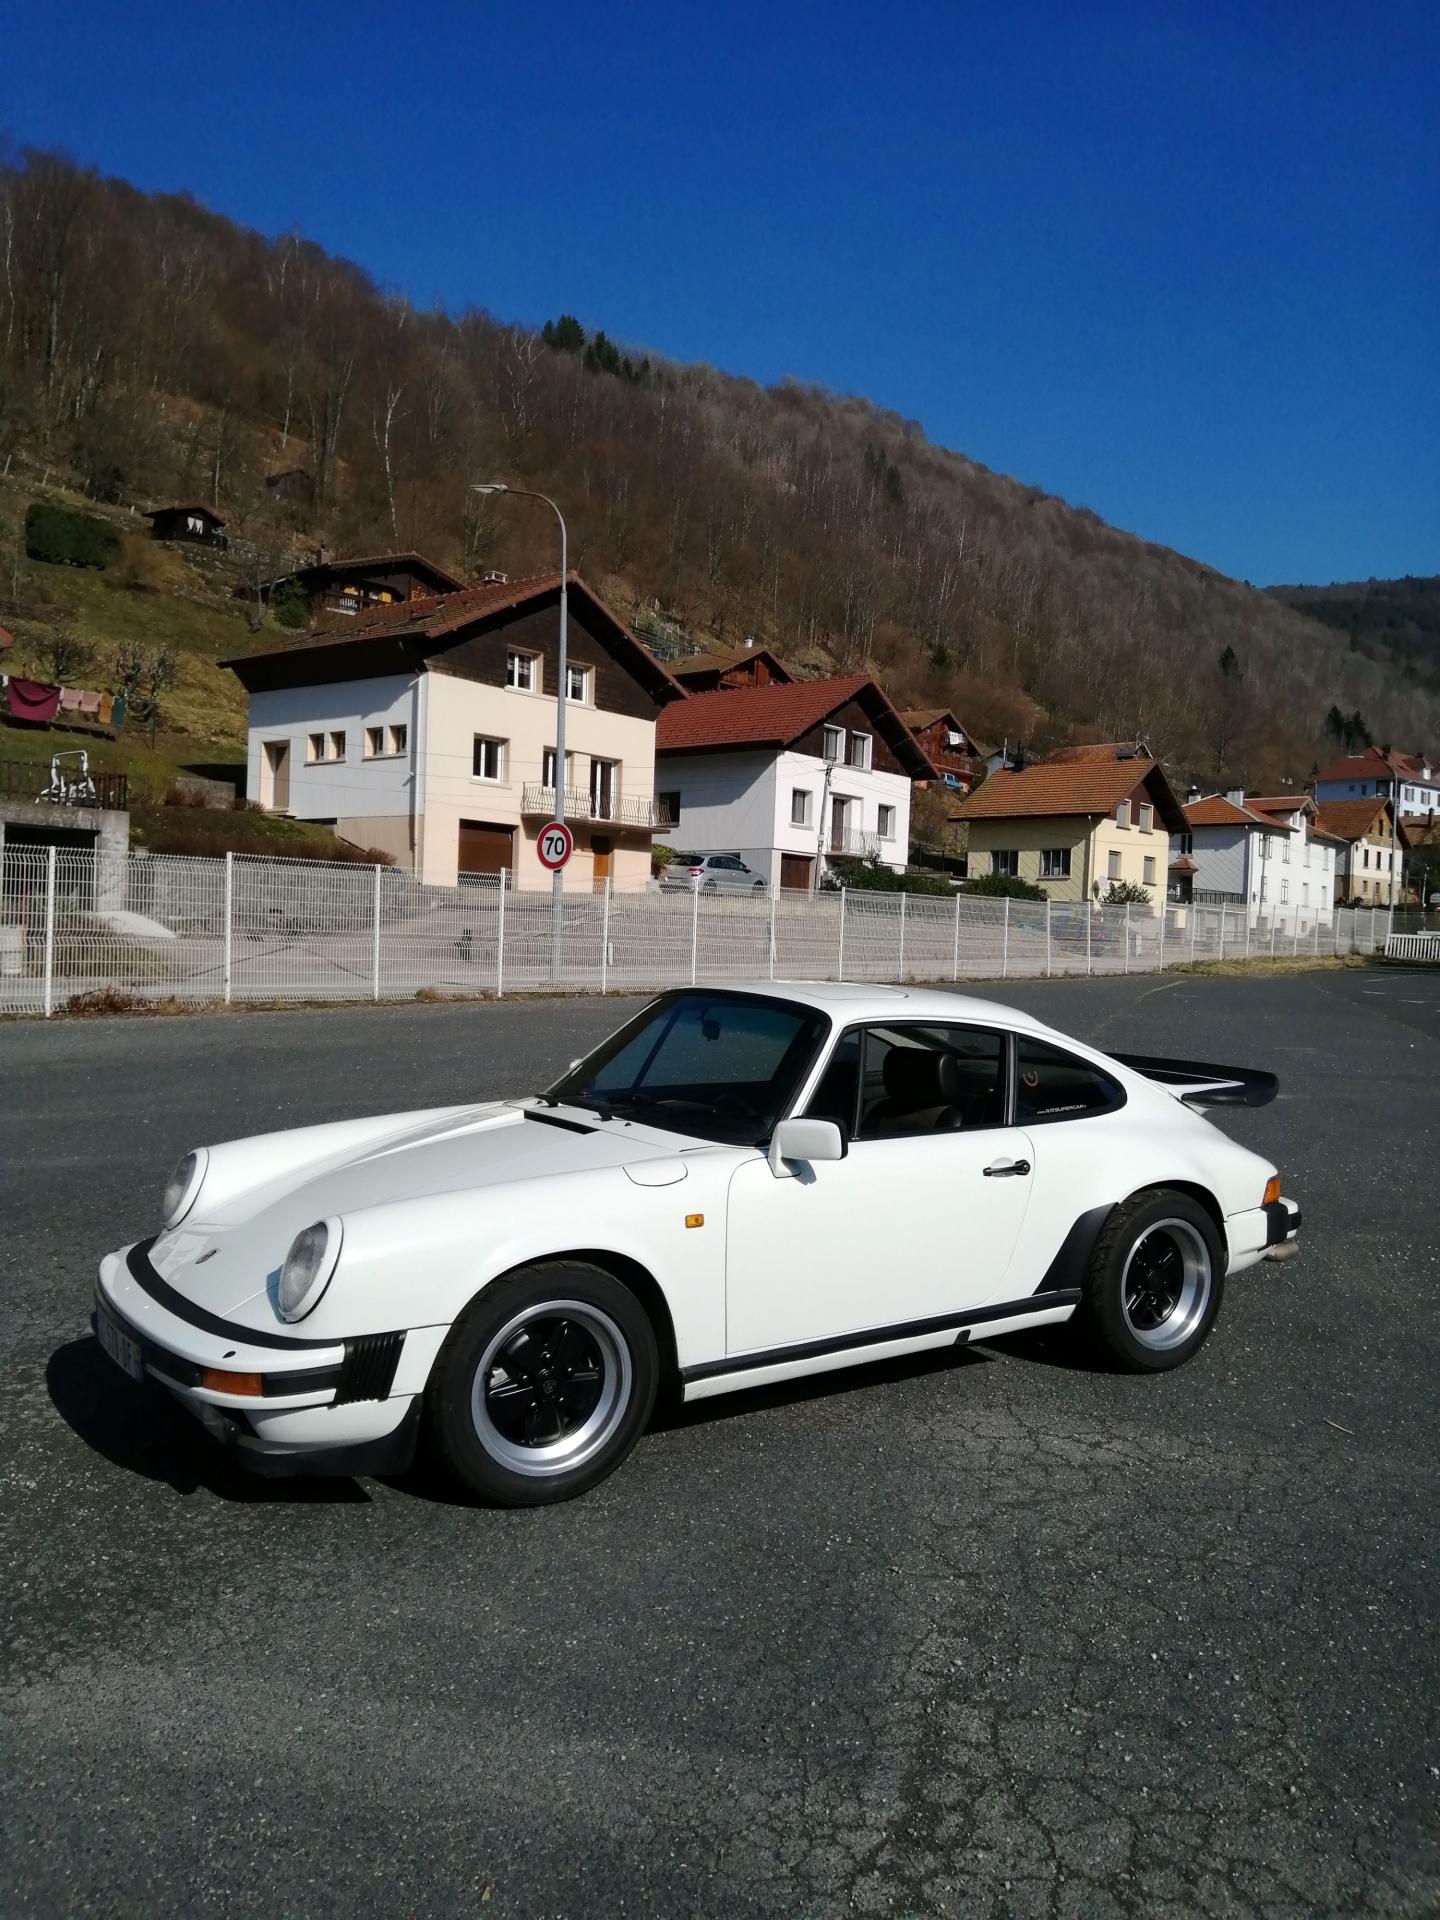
(267, 1190)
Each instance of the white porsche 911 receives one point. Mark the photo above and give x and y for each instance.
(739, 1186)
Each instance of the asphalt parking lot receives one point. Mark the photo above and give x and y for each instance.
(983, 1634)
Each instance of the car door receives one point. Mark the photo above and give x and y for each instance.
(918, 1221)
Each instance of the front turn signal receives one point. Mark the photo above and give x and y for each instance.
(1272, 1190)
(220, 1380)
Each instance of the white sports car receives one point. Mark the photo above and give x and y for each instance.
(739, 1186)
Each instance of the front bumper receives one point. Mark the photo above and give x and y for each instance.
(324, 1406)
(1261, 1232)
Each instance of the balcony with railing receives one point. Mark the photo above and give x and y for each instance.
(64, 783)
(639, 811)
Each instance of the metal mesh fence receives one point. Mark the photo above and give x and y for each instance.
(235, 929)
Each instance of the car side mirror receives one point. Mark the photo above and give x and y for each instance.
(804, 1140)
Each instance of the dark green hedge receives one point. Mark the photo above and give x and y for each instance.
(67, 538)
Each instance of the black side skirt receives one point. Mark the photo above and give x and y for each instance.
(958, 1323)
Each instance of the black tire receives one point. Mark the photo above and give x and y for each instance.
(709, 887)
(554, 1343)
(1155, 1281)
(759, 887)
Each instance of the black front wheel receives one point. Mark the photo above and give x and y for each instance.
(1154, 1282)
(544, 1385)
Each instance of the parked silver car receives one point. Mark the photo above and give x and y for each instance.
(711, 873)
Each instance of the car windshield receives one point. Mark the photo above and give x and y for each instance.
(720, 1066)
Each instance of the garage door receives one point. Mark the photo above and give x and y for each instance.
(795, 869)
(485, 848)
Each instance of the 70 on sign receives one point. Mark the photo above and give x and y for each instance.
(555, 846)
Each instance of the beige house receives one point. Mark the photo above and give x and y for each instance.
(1364, 831)
(427, 730)
(1077, 822)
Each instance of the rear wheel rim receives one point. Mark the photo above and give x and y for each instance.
(1166, 1286)
(552, 1387)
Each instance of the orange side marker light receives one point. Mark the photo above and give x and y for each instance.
(220, 1381)
(694, 1219)
(1272, 1190)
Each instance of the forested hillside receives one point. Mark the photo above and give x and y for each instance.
(151, 350)
(1396, 622)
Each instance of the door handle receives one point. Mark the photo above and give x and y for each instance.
(1003, 1169)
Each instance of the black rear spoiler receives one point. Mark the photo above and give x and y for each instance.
(1199, 1085)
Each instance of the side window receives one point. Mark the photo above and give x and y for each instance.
(1051, 1085)
(917, 1080)
(835, 1097)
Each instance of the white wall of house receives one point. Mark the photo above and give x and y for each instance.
(1299, 871)
(1221, 856)
(368, 795)
(742, 802)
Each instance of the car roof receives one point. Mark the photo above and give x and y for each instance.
(856, 1000)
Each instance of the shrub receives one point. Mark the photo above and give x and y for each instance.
(660, 857)
(66, 538)
(1125, 893)
(289, 605)
(144, 567)
(871, 875)
(1003, 886)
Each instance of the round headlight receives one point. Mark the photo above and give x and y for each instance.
(307, 1269)
(183, 1186)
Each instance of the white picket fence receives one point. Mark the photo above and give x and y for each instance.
(1413, 946)
(234, 929)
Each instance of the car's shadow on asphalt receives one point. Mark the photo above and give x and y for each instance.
(143, 1431)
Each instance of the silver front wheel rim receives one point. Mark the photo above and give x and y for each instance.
(1165, 1288)
(552, 1387)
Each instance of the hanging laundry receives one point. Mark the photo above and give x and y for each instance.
(107, 702)
(70, 698)
(29, 700)
(117, 712)
(89, 702)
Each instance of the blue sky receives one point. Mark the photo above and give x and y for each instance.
(1177, 263)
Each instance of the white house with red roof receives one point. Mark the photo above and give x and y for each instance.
(1262, 850)
(1411, 781)
(789, 775)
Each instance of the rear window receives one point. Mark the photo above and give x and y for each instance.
(687, 860)
(1052, 1085)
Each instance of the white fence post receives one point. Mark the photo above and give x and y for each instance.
(1089, 924)
(903, 898)
(694, 932)
(1247, 931)
(1004, 941)
(1272, 937)
(1160, 962)
(1194, 916)
(49, 1000)
(1372, 929)
(375, 943)
(1222, 929)
(500, 941)
(955, 956)
(229, 921)
(774, 897)
(1127, 936)
(1295, 935)
(605, 939)
(840, 964)
(1047, 936)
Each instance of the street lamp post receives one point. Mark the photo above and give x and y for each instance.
(557, 914)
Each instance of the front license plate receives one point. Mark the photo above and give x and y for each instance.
(124, 1351)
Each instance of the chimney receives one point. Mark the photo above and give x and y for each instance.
(1192, 796)
(1236, 796)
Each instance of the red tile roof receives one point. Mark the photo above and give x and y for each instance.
(1366, 765)
(698, 665)
(1351, 820)
(1078, 781)
(775, 716)
(1279, 802)
(1216, 811)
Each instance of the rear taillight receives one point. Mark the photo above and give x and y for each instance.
(695, 872)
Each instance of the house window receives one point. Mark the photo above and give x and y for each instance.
(886, 823)
(604, 788)
(315, 747)
(834, 743)
(577, 684)
(374, 742)
(337, 746)
(1147, 817)
(799, 807)
(399, 739)
(1367, 857)
(547, 768)
(859, 754)
(522, 672)
(1122, 814)
(1006, 860)
(668, 805)
(1055, 863)
(193, 523)
(1149, 870)
(1187, 843)
(1285, 850)
(488, 760)
(1284, 893)
(1112, 870)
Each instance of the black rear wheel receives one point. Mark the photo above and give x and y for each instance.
(544, 1385)
(1155, 1279)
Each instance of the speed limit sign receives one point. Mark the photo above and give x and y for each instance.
(557, 843)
